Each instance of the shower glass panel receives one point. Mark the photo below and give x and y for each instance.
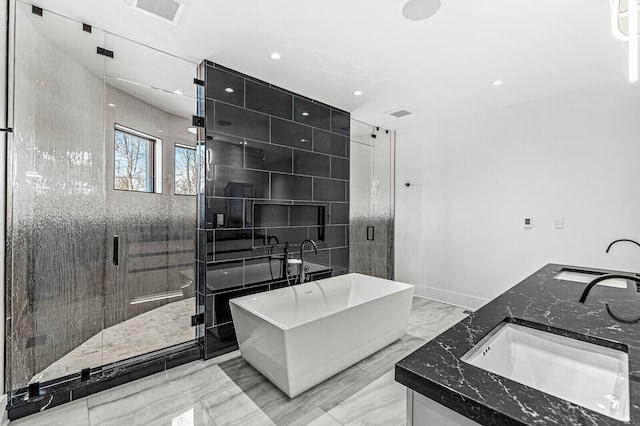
(56, 223)
(101, 245)
(151, 98)
(372, 204)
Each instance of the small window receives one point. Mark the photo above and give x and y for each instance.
(137, 168)
(185, 173)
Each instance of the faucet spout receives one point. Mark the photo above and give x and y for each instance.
(621, 240)
(595, 281)
(315, 248)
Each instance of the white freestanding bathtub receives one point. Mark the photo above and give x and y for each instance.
(300, 336)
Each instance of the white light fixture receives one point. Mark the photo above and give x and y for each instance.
(418, 10)
(305, 113)
(629, 16)
(228, 90)
(111, 105)
(304, 140)
(160, 131)
(178, 92)
(192, 130)
(357, 93)
(275, 56)
(498, 82)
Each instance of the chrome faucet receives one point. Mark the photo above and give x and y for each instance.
(315, 248)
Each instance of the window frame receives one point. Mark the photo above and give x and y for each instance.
(153, 161)
(175, 185)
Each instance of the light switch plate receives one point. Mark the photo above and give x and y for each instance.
(558, 223)
(528, 223)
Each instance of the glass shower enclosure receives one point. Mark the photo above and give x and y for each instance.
(372, 216)
(101, 205)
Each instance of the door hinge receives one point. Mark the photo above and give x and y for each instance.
(197, 121)
(104, 52)
(85, 374)
(197, 319)
(34, 389)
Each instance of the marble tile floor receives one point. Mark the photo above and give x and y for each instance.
(159, 328)
(228, 391)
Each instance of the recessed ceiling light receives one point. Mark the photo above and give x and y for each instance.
(160, 131)
(178, 92)
(275, 56)
(111, 105)
(498, 82)
(305, 113)
(228, 90)
(192, 130)
(304, 140)
(357, 93)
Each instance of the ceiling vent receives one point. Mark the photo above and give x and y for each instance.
(168, 10)
(401, 112)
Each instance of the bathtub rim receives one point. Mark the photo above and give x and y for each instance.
(404, 287)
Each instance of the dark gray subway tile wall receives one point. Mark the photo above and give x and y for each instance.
(292, 134)
(278, 174)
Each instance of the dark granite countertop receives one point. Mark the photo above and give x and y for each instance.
(436, 371)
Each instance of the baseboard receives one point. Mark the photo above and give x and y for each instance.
(451, 297)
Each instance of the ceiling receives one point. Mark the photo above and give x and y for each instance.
(440, 68)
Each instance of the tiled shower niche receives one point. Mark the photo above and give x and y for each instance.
(276, 172)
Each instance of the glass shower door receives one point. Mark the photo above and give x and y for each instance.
(372, 201)
(150, 199)
(56, 226)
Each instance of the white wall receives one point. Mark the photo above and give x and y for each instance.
(459, 230)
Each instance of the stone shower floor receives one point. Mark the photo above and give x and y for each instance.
(228, 391)
(159, 328)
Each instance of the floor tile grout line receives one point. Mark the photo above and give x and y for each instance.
(86, 403)
(333, 418)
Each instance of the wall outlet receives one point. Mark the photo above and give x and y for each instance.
(528, 223)
(558, 223)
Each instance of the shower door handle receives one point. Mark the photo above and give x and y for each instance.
(116, 246)
(370, 233)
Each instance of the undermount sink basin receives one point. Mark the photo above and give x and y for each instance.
(587, 277)
(590, 375)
